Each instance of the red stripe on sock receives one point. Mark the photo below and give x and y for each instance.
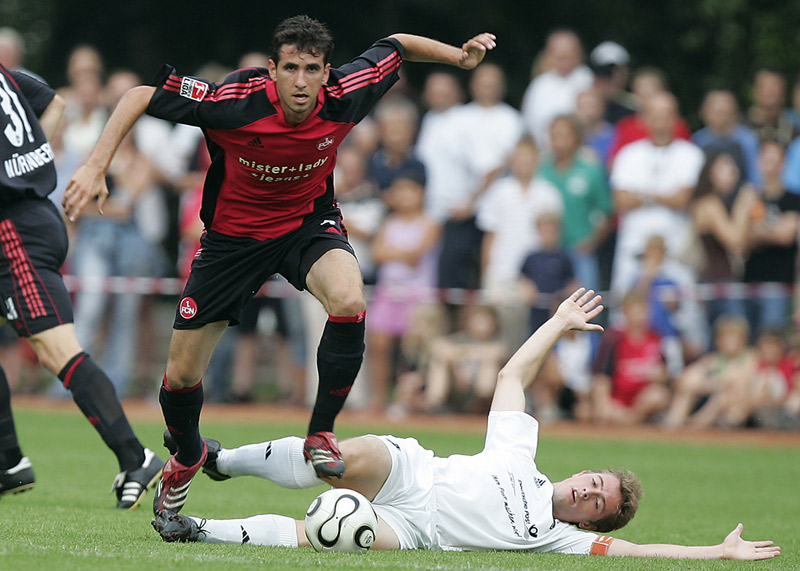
(348, 318)
(183, 390)
(68, 376)
(343, 392)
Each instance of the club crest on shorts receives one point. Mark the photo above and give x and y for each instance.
(188, 308)
(193, 89)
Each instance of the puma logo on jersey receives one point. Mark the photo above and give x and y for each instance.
(331, 222)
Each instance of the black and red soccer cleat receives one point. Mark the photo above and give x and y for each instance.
(174, 527)
(322, 450)
(174, 485)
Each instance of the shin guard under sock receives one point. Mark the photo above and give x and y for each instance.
(181, 408)
(339, 357)
(94, 394)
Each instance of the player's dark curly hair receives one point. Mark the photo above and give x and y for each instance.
(306, 34)
(631, 491)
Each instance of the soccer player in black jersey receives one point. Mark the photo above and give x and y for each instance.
(268, 207)
(33, 246)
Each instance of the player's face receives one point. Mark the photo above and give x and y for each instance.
(586, 497)
(298, 77)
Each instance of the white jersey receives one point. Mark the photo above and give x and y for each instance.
(498, 499)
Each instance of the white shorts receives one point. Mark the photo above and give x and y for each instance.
(405, 501)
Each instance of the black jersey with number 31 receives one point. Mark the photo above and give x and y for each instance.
(26, 156)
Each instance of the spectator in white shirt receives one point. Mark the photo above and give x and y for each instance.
(555, 91)
(484, 132)
(652, 181)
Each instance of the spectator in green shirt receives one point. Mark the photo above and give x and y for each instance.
(584, 188)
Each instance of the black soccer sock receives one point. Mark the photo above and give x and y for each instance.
(339, 357)
(10, 454)
(94, 394)
(181, 408)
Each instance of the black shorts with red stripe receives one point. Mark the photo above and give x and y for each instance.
(33, 247)
(227, 271)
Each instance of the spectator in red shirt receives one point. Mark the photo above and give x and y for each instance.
(631, 381)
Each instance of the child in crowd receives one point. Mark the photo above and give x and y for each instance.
(631, 384)
(790, 409)
(464, 366)
(404, 250)
(772, 385)
(546, 271)
(563, 383)
(676, 318)
(707, 389)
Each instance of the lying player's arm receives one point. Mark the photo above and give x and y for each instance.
(574, 313)
(471, 53)
(51, 117)
(733, 547)
(89, 181)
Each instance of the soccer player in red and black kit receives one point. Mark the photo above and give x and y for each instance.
(268, 207)
(33, 246)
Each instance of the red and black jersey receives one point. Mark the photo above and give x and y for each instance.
(266, 176)
(27, 157)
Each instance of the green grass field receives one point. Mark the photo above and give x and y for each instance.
(694, 494)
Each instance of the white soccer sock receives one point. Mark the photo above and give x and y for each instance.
(280, 461)
(267, 529)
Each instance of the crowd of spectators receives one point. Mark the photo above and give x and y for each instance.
(471, 217)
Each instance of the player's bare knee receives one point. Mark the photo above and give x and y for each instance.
(365, 457)
(347, 302)
(180, 377)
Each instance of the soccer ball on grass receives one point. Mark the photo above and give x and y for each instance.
(342, 521)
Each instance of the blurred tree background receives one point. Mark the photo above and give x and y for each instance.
(699, 43)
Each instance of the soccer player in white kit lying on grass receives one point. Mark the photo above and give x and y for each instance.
(494, 500)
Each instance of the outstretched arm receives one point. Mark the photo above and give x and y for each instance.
(471, 53)
(89, 181)
(576, 312)
(733, 547)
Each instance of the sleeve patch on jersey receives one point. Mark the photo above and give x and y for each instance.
(601, 544)
(193, 89)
